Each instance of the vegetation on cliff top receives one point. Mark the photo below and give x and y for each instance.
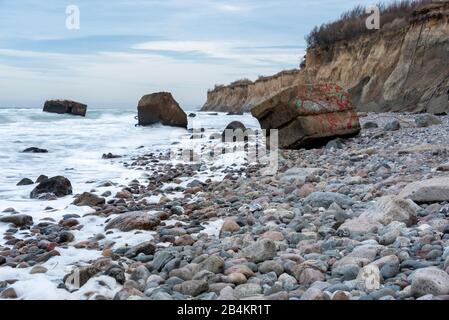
(351, 24)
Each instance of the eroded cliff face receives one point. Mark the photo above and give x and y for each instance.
(243, 97)
(399, 68)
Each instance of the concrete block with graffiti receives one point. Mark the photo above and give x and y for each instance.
(308, 115)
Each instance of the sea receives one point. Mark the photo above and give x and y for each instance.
(75, 147)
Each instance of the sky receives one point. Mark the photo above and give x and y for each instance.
(124, 49)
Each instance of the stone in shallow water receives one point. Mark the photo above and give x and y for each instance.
(59, 186)
(192, 287)
(89, 199)
(19, 220)
(25, 182)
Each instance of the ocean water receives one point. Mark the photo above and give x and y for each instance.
(76, 146)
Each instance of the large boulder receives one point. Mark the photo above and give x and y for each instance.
(431, 190)
(133, 221)
(308, 115)
(65, 106)
(325, 199)
(161, 107)
(59, 186)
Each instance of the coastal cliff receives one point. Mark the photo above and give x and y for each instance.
(404, 66)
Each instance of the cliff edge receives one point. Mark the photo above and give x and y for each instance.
(404, 66)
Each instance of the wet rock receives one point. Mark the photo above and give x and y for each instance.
(161, 107)
(230, 226)
(116, 272)
(314, 294)
(124, 194)
(38, 269)
(145, 248)
(34, 150)
(19, 220)
(25, 182)
(65, 106)
(133, 221)
(59, 186)
(89, 199)
(271, 266)
(161, 258)
(66, 236)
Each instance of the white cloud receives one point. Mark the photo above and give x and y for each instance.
(231, 8)
(238, 52)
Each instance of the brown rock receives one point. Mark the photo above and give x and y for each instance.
(124, 194)
(273, 235)
(308, 115)
(161, 107)
(65, 106)
(133, 221)
(9, 293)
(230, 226)
(185, 240)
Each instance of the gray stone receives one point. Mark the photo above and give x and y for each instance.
(392, 126)
(325, 199)
(213, 264)
(260, 251)
(427, 120)
(432, 190)
(192, 287)
(247, 290)
(430, 280)
(19, 220)
(25, 182)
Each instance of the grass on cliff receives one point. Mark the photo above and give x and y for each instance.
(351, 24)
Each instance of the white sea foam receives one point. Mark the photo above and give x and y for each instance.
(75, 147)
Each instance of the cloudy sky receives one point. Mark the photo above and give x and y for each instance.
(127, 48)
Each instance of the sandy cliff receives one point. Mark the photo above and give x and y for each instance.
(402, 67)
